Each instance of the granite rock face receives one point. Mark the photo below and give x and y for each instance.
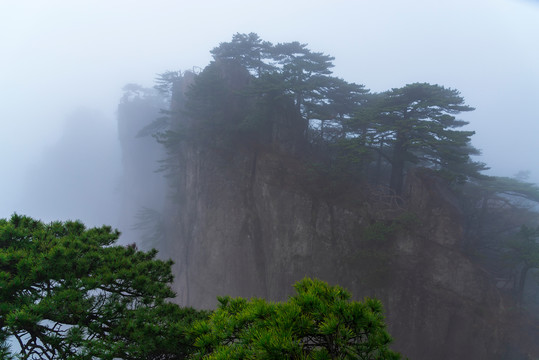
(246, 225)
(250, 221)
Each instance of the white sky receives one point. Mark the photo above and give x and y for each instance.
(57, 55)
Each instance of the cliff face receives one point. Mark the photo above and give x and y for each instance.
(246, 225)
(250, 217)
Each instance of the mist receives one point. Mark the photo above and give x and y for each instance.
(60, 162)
(77, 177)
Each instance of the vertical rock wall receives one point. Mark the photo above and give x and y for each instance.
(246, 226)
(250, 221)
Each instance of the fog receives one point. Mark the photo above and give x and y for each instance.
(64, 63)
(76, 177)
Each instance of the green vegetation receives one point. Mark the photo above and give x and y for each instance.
(319, 322)
(415, 124)
(67, 292)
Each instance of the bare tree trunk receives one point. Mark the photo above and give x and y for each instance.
(521, 285)
(397, 166)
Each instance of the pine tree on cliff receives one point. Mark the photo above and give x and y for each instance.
(415, 124)
(249, 51)
(252, 84)
(303, 72)
(289, 70)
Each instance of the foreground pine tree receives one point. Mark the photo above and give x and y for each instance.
(319, 322)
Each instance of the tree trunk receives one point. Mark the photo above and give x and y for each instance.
(521, 285)
(397, 166)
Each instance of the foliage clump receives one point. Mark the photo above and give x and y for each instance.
(319, 322)
(67, 292)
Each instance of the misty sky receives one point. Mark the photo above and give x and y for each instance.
(60, 55)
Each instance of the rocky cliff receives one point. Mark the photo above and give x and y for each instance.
(246, 225)
(250, 220)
